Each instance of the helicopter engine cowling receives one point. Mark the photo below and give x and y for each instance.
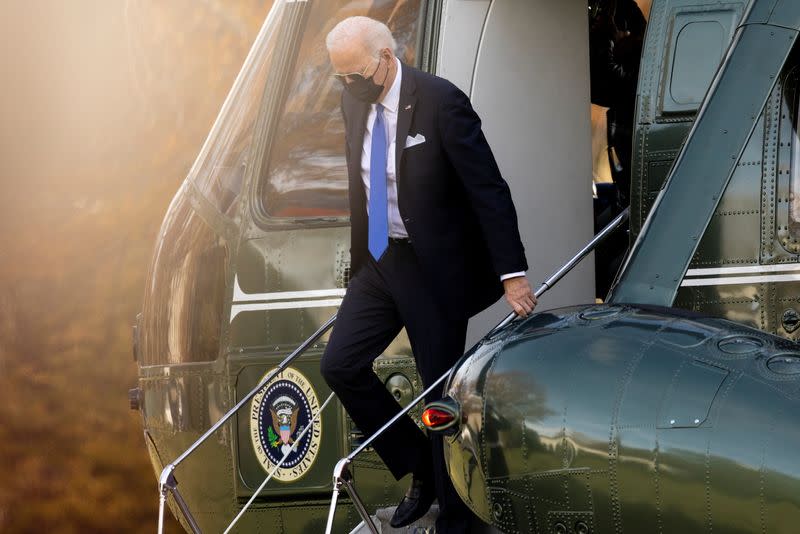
(628, 419)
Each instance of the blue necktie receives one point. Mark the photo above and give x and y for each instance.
(378, 206)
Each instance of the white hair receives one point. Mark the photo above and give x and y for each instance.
(373, 34)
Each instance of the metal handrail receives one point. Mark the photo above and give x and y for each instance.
(342, 476)
(618, 221)
(167, 482)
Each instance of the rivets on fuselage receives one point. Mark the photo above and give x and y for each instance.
(497, 511)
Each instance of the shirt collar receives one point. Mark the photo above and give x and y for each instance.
(392, 99)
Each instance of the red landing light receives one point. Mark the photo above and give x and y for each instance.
(434, 418)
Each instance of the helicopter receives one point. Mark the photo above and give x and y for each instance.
(252, 258)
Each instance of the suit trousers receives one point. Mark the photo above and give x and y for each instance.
(383, 297)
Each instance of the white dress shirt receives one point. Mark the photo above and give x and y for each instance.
(390, 104)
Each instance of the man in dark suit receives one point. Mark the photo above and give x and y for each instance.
(434, 241)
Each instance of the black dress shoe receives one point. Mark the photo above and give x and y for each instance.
(415, 504)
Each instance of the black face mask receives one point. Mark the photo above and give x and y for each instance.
(365, 89)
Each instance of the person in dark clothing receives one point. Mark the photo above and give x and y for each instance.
(434, 240)
(616, 36)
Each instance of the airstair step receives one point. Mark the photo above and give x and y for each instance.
(424, 525)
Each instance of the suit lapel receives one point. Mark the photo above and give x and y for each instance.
(405, 112)
(356, 113)
(358, 125)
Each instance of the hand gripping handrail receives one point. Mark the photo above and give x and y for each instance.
(342, 477)
(167, 482)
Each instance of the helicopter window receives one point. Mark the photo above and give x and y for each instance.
(183, 304)
(220, 168)
(307, 173)
(697, 48)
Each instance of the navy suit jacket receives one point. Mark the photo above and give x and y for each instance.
(454, 203)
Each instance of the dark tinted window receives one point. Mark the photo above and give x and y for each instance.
(307, 175)
(184, 296)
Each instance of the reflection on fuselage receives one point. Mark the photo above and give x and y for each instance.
(633, 418)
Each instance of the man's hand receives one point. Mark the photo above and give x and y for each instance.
(519, 295)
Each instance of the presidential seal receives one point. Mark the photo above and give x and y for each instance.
(279, 414)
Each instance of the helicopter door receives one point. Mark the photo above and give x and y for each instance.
(528, 82)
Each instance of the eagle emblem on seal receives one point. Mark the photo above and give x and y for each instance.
(284, 422)
(285, 427)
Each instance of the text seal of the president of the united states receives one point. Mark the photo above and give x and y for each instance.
(280, 413)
